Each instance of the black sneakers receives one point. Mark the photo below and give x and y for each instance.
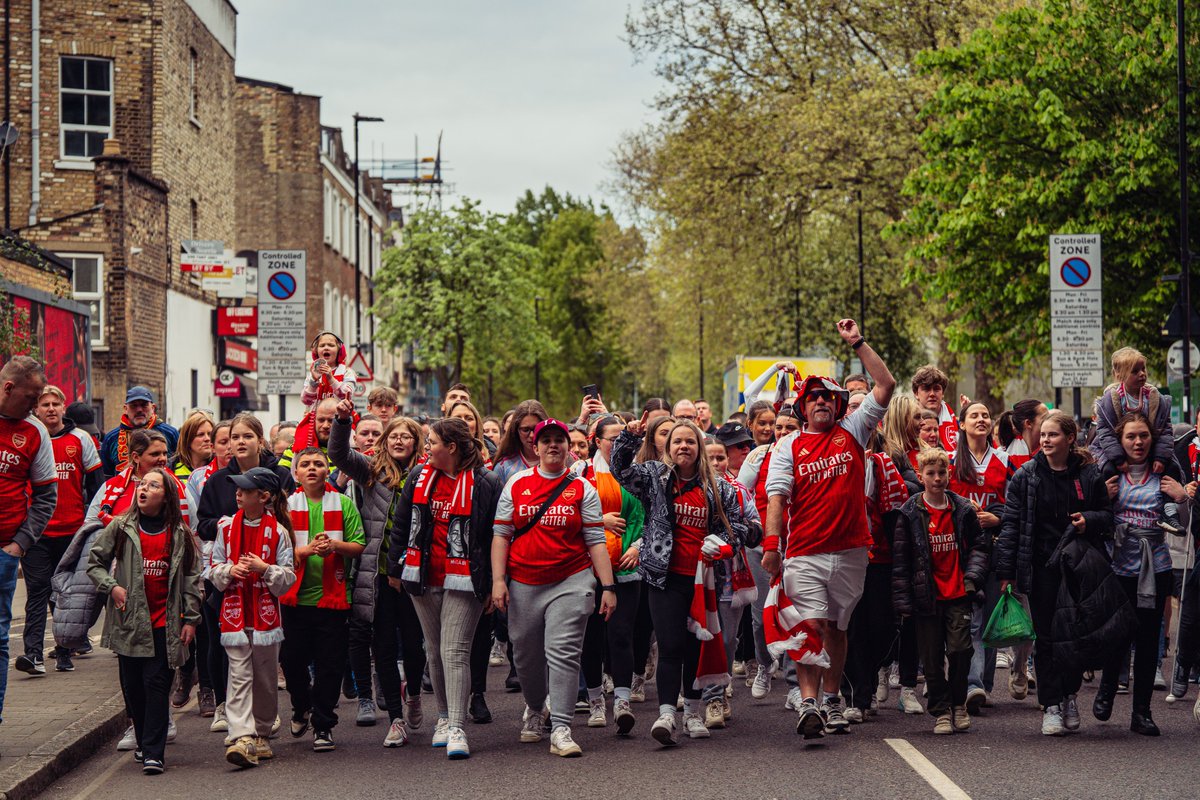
(32, 665)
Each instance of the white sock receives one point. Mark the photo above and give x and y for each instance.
(666, 708)
(689, 705)
(621, 693)
(595, 694)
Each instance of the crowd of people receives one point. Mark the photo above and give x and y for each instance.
(842, 538)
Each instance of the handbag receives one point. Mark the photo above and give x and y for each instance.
(554, 493)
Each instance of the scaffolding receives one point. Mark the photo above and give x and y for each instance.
(416, 183)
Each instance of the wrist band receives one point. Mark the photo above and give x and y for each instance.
(612, 587)
(861, 341)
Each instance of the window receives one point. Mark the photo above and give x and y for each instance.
(85, 106)
(87, 285)
(193, 89)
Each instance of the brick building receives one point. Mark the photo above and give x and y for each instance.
(157, 77)
(295, 190)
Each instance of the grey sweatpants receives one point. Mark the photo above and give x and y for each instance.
(448, 620)
(546, 626)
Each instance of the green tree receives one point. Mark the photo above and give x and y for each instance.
(1058, 119)
(459, 289)
(780, 122)
(585, 341)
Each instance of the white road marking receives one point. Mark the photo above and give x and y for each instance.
(89, 791)
(941, 784)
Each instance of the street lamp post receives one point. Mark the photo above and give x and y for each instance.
(862, 290)
(358, 236)
(1185, 249)
(537, 358)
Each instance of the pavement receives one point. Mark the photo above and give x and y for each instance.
(1003, 756)
(53, 722)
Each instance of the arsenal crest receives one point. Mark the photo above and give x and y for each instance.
(569, 493)
(839, 439)
(266, 610)
(19, 440)
(72, 451)
(231, 609)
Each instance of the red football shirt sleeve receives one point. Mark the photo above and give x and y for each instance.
(42, 470)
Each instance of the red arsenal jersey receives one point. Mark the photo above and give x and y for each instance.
(74, 456)
(553, 549)
(991, 478)
(26, 460)
(691, 526)
(948, 580)
(156, 554)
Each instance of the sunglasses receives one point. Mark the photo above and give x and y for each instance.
(819, 394)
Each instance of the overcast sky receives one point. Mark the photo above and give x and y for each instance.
(528, 92)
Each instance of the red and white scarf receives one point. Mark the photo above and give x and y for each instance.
(787, 634)
(117, 496)
(704, 620)
(123, 438)
(251, 595)
(333, 572)
(458, 564)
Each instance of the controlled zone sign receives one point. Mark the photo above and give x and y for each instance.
(282, 278)
(1076, 311)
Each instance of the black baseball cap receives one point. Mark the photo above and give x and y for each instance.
(257, 478)
(733, 433)
(83, 417)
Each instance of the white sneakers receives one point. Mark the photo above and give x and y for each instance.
(456, 744)
(882, 690)
(909, 703)
(561, 743)
(220, 722)
(596, 715)
(533, 725)
(397, 735)
(441, 733)
(793, 699)
(762, 684)
(663, 730)
(128, 740)
(623, 716)
(694, 725)
(637, 692)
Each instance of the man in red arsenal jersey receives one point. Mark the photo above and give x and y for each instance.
(28, 483)
(816, 515)
(77, 467)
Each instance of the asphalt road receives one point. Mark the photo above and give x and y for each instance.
(1003, 756)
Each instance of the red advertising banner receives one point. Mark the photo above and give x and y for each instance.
(235, 355)
(237, 321)
(58, 338)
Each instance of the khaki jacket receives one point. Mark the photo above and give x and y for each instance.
(128, 632)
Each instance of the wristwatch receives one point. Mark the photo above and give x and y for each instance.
(612, 587)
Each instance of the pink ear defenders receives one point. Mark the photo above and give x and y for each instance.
(840, 396)
(341, 351)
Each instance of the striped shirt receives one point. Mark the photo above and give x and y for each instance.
(1139, 503)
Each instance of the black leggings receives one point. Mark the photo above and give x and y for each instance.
(617, 633)
(1145, 643)
(218, 662)
(678, 648)
(643, 629)
(394, 617)
(146, 684)
(481, 650)
(872, 632)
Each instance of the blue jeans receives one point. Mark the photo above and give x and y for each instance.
(8, 584)
(983, 661)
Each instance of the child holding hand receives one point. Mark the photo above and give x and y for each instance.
(252, 566)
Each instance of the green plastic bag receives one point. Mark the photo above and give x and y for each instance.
(1010, 623)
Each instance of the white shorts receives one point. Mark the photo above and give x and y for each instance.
(826, 585)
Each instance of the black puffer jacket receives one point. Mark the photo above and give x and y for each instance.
(479, 535)
(913, 591)
(219, 498)
(1019, 526)
(376, 500)
(1092, 613)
